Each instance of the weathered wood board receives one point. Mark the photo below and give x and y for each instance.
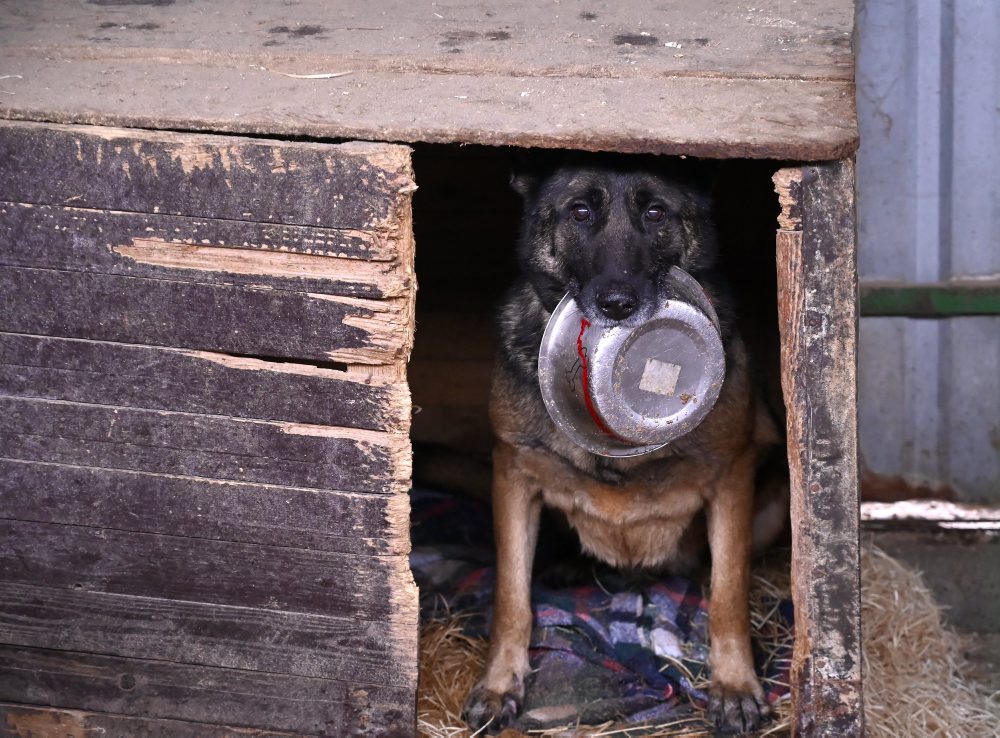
(23, 721)
(126, 500)
(817, 308)
(205, 634)
(686, 77)
(212, 383)
(142, 687)
(205, 448)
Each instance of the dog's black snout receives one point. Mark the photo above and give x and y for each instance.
(617, 301)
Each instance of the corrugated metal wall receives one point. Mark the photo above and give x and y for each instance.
(929, 210)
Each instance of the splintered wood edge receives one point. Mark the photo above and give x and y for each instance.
(404, 594)
(395, 443)
(393, 158)
(788, 184)
(385, 277)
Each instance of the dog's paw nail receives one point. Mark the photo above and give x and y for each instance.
(491, 710)
(736, 713)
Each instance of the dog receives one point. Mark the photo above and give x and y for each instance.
(608, 235)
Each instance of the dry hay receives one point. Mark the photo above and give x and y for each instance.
(912, 663)
(912, 666)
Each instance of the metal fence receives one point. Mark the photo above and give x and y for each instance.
(929, 241)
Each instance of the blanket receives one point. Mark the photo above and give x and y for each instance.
(624, 648)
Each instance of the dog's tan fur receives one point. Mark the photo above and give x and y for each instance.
(650, 519)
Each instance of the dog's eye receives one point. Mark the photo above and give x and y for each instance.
(655, 213)
(580, 212)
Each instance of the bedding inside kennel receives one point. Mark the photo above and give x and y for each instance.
(197, 246)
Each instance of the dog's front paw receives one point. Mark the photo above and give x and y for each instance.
(735, 712)
(494, 711)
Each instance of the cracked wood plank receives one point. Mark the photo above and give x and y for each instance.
(142, 502)
(353, 185)
(30, 721)
(202, 382)
(138, 687)
(207, 634)
(817, 305)
(211, 447)
(189, 250)
(292, 580)
(255, 321)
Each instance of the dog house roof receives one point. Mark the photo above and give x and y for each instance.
(710, 78)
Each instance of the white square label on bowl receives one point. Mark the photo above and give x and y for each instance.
(660, 377)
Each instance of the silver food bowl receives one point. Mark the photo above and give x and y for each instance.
(620, 391)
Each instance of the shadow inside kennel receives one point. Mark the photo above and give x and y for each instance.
(466, 222)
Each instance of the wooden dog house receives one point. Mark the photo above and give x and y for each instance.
(207, 286)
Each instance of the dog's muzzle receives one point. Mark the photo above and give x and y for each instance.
(626, 391)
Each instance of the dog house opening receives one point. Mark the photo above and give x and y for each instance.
(467, 220)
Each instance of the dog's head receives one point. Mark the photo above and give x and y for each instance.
(608, 235)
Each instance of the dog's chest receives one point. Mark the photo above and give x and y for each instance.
(633, 524)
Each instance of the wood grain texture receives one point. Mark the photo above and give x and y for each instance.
(30, 721)
(354, 185)
(319, 707)
(282, 454)
(706, 79)
(801, 39)
(182, 249)
(228, 319)
(200, 382)
(199, 570)
(251, 639)
(205, 437)
(817, 296)
(142, 502)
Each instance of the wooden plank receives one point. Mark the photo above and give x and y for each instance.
(774, 82)
(29, 721)
(200, 570)
(354, 185)
(187, 250)
(242, 320)
(754, 118)
(278, 453)
(320, 707)
(250, 639)
(202, 508)
(801, 39)
(817, 305)
(342, 243)
(204, 382)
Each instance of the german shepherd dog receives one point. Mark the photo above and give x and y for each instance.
(608, 236)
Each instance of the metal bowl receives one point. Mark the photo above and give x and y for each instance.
(620, 391)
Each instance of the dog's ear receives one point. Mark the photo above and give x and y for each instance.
(527, 171)
(523, 183)
(531, 167)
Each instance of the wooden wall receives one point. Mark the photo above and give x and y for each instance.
(205, 446)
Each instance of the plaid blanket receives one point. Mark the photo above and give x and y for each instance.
(617, 648)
